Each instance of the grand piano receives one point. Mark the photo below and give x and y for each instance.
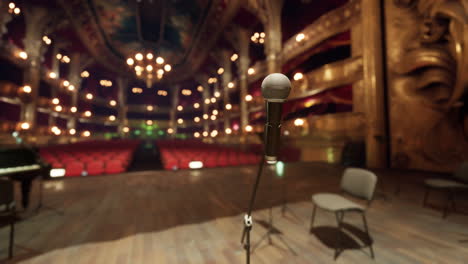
(24, 165)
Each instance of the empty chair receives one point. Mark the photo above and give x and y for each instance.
(74, 169)
(114, 166)
(359, 183)
(459, 183)
(95, 167)
(7, 210)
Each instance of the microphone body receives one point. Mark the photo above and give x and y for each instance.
(275, 90)
(272, 130)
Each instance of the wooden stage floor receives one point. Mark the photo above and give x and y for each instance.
(187, 217)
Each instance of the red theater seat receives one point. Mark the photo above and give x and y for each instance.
(95, 168)
(74, 169)
(114, 166)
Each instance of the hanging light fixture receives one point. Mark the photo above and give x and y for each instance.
(148, 68)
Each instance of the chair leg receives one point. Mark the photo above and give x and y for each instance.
(447, 204)
(339, 247)
(452, 199)
(366, 228)
(312, 218)
(12, 236)
(426, 195)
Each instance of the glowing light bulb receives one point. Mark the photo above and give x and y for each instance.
(298, 76)
(207, 101)
(86, 133)
(25, 125)
(52, 75)
(73, 109)
(89, 96)
(149, 122)
(149, 108)
(71, 87)
(300, 37)
(112, 118)
(217, 94)
(248, 128)
(200, 88)
(149, 68)
(228, 106)
(180, 108)
(170, 130)
(72, 131)
(228, 131)
(125, 129)
(159, 60)
(248, 98)
(112, 102)
(205, 133)
(220, 71)
(23, 55)
(149, 56)
(234, 57)
(139, 56)
(250, 71)
(196, 119)
(27, 89)
(230, 85)
(167, 67)
(58, 108)
(205, 116)
(213, 100)
(299, 122)
(180, 121)
(196, 105)
(196, 134)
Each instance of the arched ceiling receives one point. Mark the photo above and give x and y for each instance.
(183, 32)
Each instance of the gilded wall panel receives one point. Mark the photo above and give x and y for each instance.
(427, 57)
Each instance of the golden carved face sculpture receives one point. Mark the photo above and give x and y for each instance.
(436, 61)
(427, 43)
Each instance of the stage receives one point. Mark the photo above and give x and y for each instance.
(195, 216)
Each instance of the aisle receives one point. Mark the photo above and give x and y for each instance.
(146, 158)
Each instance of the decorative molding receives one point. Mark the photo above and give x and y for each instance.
(327, 77)
(328, 25)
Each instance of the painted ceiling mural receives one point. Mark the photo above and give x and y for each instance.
(166, 28)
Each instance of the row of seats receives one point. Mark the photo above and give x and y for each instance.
(179, 154)
(91, 157)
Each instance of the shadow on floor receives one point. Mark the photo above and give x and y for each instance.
(352, 238)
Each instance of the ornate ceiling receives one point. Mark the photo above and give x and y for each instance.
(183, 32)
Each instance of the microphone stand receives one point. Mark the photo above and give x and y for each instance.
(248, 217)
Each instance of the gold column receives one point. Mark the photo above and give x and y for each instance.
(373, 81)
(243, 66)
(122, 84)
(173, 111)
(36, 20)
(273, 42)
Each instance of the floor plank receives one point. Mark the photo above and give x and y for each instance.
(196, 217)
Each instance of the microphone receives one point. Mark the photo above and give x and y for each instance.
(275, 90)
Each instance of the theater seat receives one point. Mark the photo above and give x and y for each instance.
(74, 169)
(114, 166)
(95, 168)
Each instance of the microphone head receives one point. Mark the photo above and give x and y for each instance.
(276, 87)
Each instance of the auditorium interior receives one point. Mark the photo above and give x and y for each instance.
(234, 131)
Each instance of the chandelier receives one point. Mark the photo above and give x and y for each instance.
(147, 68)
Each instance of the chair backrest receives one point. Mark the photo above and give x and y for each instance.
(359, 182)
(6, 192)
(462, 172)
